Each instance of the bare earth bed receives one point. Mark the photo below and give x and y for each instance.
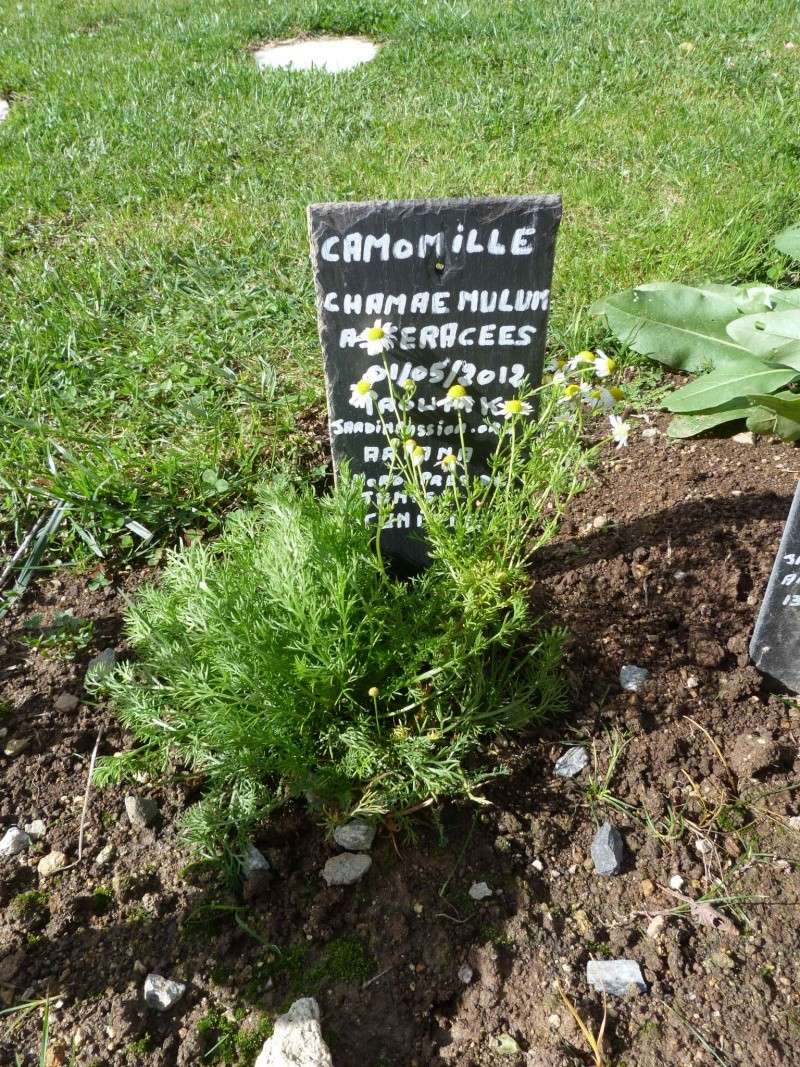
(661, 563)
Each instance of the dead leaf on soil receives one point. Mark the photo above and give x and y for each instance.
(708, 916)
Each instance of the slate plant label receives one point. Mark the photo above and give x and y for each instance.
(775, 645)
(465, 285)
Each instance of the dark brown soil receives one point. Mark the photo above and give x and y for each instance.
(662, 562)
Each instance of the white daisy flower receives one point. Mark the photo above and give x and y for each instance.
(603, 364)
(620, 430)
(362, 394)
(510, 409)
(456, 399)
(378, 338)
(583, 359)
(577, 393)
(554, 365)
(604, 398)
(417, 455)
(449, 462)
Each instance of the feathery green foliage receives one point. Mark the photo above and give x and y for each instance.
(285, 659)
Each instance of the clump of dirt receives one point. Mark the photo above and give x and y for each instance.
(660, 563)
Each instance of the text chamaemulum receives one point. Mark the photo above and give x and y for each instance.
(438, 302)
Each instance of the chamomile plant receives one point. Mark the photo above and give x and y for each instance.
(287, 660)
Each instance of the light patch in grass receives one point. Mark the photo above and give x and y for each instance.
(332, 54)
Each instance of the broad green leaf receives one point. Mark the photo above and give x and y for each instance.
(759, 298)
(735, 292)
(786, 403)
(765, 334)
(709, 391)
(690, 425)
(779, 415)
(788, 241)
(676, 325)
(763, 421)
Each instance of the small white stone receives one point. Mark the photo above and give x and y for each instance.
(615, 977)
(332, 54)
(655, 926)
(162, 993)
(744, 438)
(677, 883)
(465, 973)
(794, 822)
(297, 1039)
(13, 842)
(479, 891)
(105, 855)
(36, 829)
(571, 762)
(692, 682)
(51, 864)
(649, 433)
(554, 1021)
(254, 863)
(537, 865)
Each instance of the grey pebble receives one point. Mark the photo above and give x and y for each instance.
(479, 891)
(346, 868)
(101, 663)
(571, 762)
(632, 677)
(141, 811)
(615, 977)
(162, 993)
(66, 702)
(254, 863)
(356, 835)
(607, 850)
(256, 873)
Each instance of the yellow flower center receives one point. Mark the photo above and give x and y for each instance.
(513, 407)
(616, 392)
(407, 384)
(449, 460)
(609, 364)
(363, 387)
(373, 691)
(572, 390)
(375, 333)
(456, 391)
(585, 357)
(410, 445)
(418, 452)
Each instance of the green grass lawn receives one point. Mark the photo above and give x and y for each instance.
(156, 303)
